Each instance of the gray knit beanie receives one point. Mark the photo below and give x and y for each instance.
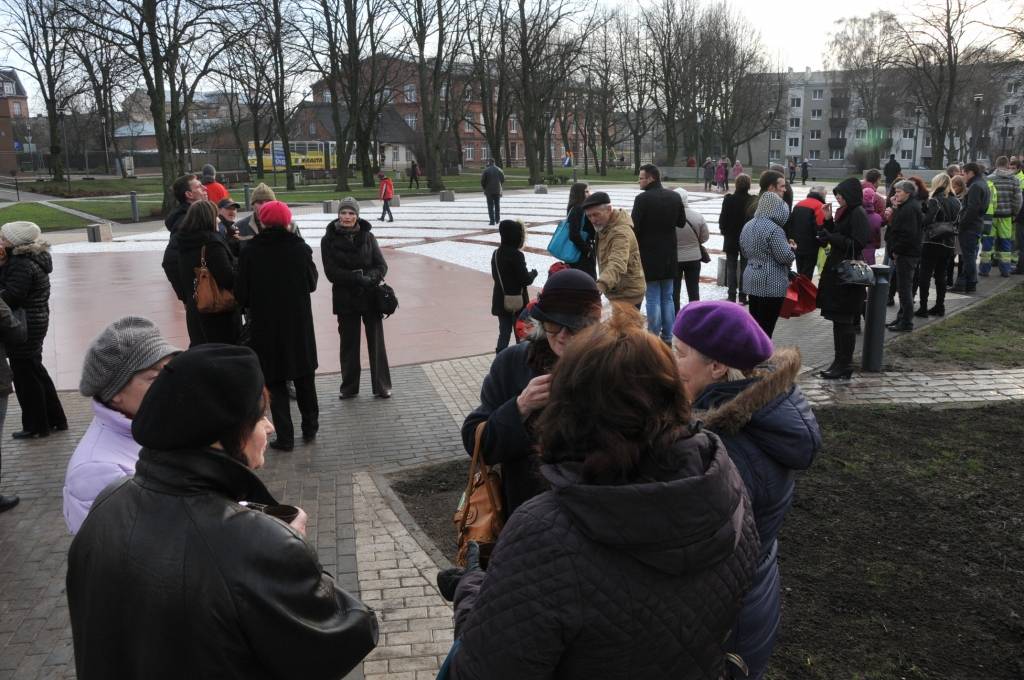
(20, 233)
(209, 173)
(261, 192)
(350, 203)
(125, 347)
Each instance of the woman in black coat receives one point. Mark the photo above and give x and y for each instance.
(25, 285)
(510, 276)
(843, 305)
(634, 564)
(581, 232)
(937, 249)
(735, 209)
(276, 277)
(196, 235)
(354, 264)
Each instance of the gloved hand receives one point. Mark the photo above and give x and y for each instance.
(365, 280)
(533, 273)
(448, 579)
(791, 274)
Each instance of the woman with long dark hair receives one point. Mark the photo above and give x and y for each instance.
(198, 241)
(581, 232)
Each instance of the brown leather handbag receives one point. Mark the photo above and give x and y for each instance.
(209, 297)
(480, 515)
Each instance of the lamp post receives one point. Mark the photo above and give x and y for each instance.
(978, 98)
(106, 148)
(67, 156)
(1006, 129)
(700, 165)
(917, 127)
(771, 121)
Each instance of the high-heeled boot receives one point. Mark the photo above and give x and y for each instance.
(843, 368)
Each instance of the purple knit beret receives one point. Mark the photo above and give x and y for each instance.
(725, 332)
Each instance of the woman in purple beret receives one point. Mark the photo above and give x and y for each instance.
(744, 390)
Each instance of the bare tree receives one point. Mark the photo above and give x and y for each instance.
(601, 72)
(35, 29)
(488, 36)
(242, 74)
(671, 29)
(634, 78)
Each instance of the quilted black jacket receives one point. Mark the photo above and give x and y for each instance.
(26, 285)
(634, 581)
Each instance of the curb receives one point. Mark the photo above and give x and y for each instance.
(396, 505)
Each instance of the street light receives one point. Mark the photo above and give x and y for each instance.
(1006, 129)
(771, 120)
(978, 98)
(917, 126)
(106, 149)
(67, 157)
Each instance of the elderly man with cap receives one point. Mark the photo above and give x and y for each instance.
(620, 272)
(120, 365)
(516, 388)
(250, 225)
(184, 571)
(25, 284)
(276, 276)
(744, 390)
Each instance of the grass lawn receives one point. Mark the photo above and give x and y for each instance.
(989, 334)
(46, 217)
(94, 187)
(901, 556)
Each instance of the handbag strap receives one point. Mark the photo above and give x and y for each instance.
(202, 257)
(477, 454)
(494, 261)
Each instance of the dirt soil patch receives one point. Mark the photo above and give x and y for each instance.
(903, 555)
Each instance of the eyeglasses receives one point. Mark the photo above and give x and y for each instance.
(554, 329)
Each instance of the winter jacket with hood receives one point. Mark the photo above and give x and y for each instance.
(344, 254)
(640, 580)
(1008, 194)
(770, 433)
(847, 235)
(25, 280)
(870, 204)
(806, 219)
(763, 242)
(620, 272)
(905, 233)
(657, 212)
(508, 266)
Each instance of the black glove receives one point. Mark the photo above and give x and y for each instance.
(791, 274)
(365, 280)
(448, 579)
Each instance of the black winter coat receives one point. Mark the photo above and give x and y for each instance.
(510, 263)
(803, 225)
(906, 231)
(972, 217)
(642, 580)
(25, 280)
(276, 276)
(10, 327)
(584, 236)
(170, 259)
(507, 439)
(941, 208)
(732, 218)
(343, 254)
(848, 235)
(656, 214)
(169, 577)
(225, 326)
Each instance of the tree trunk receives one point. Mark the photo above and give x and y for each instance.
(56, 147)
(638, 141)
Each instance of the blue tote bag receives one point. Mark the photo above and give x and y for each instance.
(561, 247)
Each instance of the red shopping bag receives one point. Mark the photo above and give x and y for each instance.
(801, 297)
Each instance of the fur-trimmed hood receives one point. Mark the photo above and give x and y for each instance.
(769, 407)
(38, 252)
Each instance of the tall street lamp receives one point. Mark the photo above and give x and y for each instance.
(978, 98)
(106, 148)
(917, 127)
(67, 156)
(771, 121)
(1006, 128)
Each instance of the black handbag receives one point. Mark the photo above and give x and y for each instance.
(705, 256)
(386, 301)
(939, 232)
(855, 272)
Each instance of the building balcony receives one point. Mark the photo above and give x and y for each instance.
(837, 142)
(840, 101)
(838, 121)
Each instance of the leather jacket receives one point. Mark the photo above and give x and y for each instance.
(170, 577)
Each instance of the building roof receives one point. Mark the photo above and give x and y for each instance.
(393, 129)
(9, 74)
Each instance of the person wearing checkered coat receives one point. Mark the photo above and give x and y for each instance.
(769, 255)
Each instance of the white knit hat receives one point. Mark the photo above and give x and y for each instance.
(20, 233)
(125, 347)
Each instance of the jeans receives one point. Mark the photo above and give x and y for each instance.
(905, 267)
(734, 266)
(690, 273)
(386, 210)
(660, 315)
(968, 277)
(494, 208)
(506, 328)
(765, 311)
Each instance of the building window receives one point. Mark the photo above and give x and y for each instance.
(835, 155)
(906, 155)
(513, 126)
(1010, 110)
(775, 155)
(1009, 132)
(794, 142)
(15, 108)
(467, 153)
(1011, 88)
(410, 120)
(485, 152)
(816, 114)
(444, 91)
(908, 133)
(794, 102)
(776, 134)
(794, 122)
(467, 125)
(515, 150)
(312, 129)
(814, 154)
(860, 134)
(817, 95)
(386, 95)
(9, 88)
(409, 91)
(326, 96)
(838, 133)
(394, 154)
(928, 140)
(814, 134)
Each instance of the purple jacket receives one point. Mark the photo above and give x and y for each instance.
(106, 453)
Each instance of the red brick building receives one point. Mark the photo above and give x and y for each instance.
(13, 119)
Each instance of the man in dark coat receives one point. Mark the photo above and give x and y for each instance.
(803, 226)
(276, 276)
(903, 243)
(355, 266)
(491, 181)
(892, 170)
(971, 225)
(187, 190)
(657, 212)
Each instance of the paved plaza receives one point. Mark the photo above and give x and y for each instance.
(440, 342)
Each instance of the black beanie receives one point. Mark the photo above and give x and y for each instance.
(200, 396)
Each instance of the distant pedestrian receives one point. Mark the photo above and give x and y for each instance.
(276, 277)
(892, 170)
(792, 171)
(414, 174)
(620, 272)
(386, 193)
(734, 214)
(581, 232)
(25, 285)
(975, 203)
(903, 241)
(510, 276)
(10, 329)
(709, 173)
(872, 178)
(805, 171)
(355, 266)
(737, 169)
(657, 213)
(769, 255)
(215, 191)
(725, 162)
(1006, 190)
(689, 239)
(870, 204)
(119, 367)
(492, 180)
(721, 172)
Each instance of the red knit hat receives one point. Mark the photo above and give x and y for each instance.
(275, 214)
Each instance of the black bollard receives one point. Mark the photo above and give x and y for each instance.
(248, 195)
(874, 322)
(134, 198)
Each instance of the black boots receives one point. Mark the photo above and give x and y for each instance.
(937, 310)
(922, 311)
(845, 342)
